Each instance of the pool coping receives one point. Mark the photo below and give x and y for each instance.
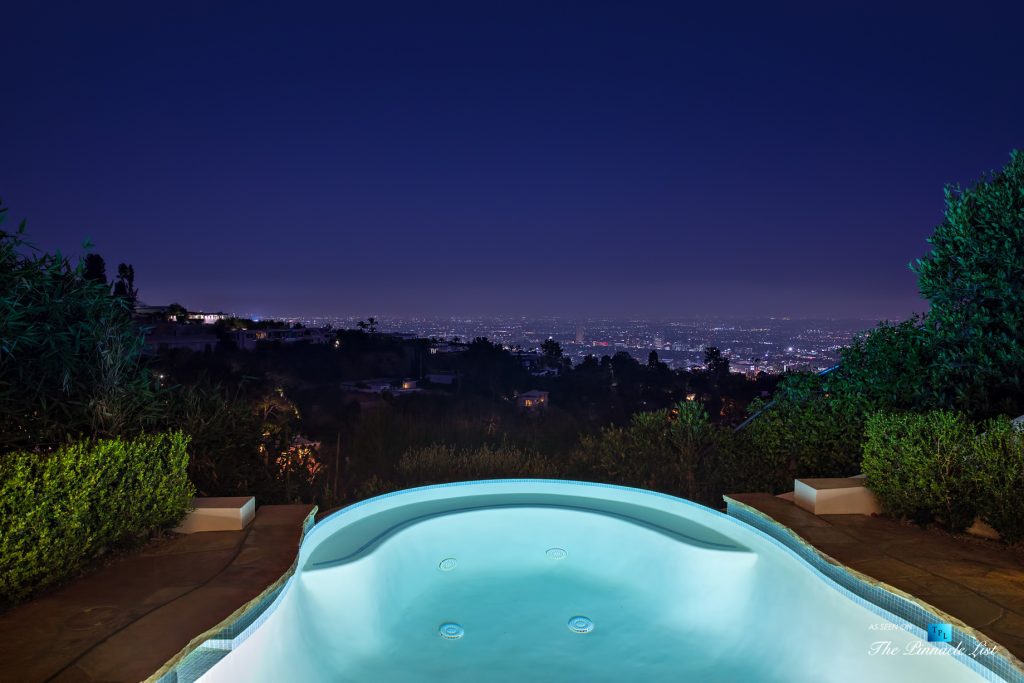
(881, 597)
(208, 648)
(205, 650)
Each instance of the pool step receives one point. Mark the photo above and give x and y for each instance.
(219, 514)
(835, 496)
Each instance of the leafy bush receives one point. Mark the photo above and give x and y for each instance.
(997, 470)
(440, 463)
(807, 431)
(244, 445)
(785, 442)
(70, 355)
(920, 466)
(661, 450)
(60, 509)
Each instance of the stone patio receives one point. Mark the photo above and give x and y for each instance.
(126, 620)
(978, 581)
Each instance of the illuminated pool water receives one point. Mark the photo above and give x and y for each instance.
(565, 581)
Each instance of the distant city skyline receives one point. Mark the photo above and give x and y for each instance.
(753, 344)
(595, 159)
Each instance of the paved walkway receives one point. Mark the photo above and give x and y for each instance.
(125, 621)
(977, 581)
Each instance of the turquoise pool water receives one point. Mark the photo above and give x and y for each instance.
(565, 581)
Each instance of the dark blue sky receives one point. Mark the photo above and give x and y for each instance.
(580, 159)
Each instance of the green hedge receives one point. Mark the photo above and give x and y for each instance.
(940, 466)
(59, 510)
(998, 476)
(918, 465)
(660, 450)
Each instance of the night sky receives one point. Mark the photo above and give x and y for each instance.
(575, 159)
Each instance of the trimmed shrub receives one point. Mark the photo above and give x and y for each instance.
(920, 466)
(664, 450)
(58, 510)
(441, 463)
(748, 461)
(807, 432)
(997, 470)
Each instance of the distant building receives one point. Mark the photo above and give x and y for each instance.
(164, 336)
(447, 347)
(382, 386)
(248, 339)
(441, 377)
(531, 360)
(532, 401)
(580, 333)
(206, 318)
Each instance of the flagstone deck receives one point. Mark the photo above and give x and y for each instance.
(126, 620)
(978, 581)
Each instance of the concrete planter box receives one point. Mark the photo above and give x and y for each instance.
(835, 496)
(219, 514)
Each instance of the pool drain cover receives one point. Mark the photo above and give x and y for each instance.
(451, 631)
(581, 625)
(447, 564)
(556, 553)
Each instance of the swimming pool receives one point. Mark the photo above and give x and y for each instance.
(532, 580)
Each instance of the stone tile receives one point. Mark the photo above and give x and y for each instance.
(930, 585)
(784, 511)
(126, 620)
(826, 535)
(969, 608)
(1008, 631)
(193, 543)
(952, 569)
(887, 569)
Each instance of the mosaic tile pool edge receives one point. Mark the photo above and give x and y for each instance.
(885, 600)
(206, 650)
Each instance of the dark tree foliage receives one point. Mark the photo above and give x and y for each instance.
(715, 380)
(889, 368)
(967, 352)
(70, 355)
(552, 350)
(716, 364)
(95, 269)
(124, 286)
(490, 370)
(974, 280)
(177, 312)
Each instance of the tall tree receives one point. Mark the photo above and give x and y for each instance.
(178, 312)
(94, 269)
(974, 280)
(715, 363)
(124, 286)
